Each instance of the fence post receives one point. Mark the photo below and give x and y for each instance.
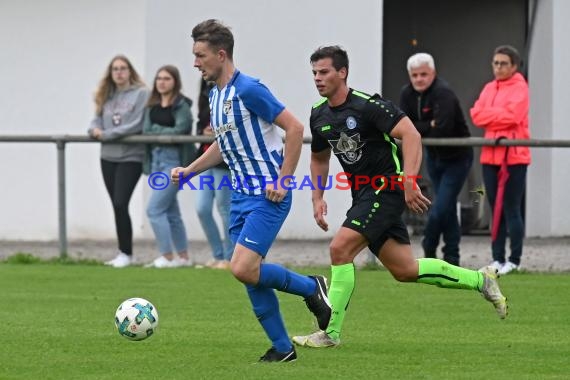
(61, 198)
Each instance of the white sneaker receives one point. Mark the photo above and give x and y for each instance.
(122, 260)
(496, 265)
(508, 268)
(163, 262)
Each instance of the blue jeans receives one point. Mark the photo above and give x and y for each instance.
(162, 210)
(222, 249)
(511, 220)
(447, 177)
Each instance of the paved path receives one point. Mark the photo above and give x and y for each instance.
(540, 255)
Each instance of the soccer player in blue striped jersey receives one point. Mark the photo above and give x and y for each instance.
(360, 130)
(244, 117)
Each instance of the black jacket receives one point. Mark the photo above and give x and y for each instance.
(437, 103)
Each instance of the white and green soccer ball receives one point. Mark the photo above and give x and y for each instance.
(136, 319)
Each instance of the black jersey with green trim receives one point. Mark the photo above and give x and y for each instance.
(358, 132)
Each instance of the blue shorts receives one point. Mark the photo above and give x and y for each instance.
(255, 221)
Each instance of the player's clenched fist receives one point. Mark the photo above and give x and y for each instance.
(175, 174)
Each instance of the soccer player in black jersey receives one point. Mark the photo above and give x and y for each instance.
(360, 130)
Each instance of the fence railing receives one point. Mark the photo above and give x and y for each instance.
(61, 140)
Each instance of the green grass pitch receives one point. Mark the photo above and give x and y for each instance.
(57, 323)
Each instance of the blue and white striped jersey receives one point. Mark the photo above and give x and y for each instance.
(242, 115)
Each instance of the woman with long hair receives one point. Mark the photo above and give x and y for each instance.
(167, 113)
(119, 104)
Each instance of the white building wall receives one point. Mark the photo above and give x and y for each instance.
(541, 81)
(548, 211)
(54, 53)
(560, 121)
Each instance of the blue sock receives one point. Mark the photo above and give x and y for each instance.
(266, 309)
(278, 277)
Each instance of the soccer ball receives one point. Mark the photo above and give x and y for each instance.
(136, 319)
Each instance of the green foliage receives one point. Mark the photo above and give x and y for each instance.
(69, 261)
(28, 258)
(22, 258)
(58, 323)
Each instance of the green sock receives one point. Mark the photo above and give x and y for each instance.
(340, 291)
(440, 273)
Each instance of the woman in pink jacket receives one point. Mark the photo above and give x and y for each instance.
(502, 111)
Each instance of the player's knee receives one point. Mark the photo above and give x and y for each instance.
(339, 254)
(243, 274)
(238, 273)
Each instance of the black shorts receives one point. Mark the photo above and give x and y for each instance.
(378, 217)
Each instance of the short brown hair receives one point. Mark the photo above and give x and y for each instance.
(216, 34)
(338, 55)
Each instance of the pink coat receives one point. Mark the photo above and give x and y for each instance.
(502, 110)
